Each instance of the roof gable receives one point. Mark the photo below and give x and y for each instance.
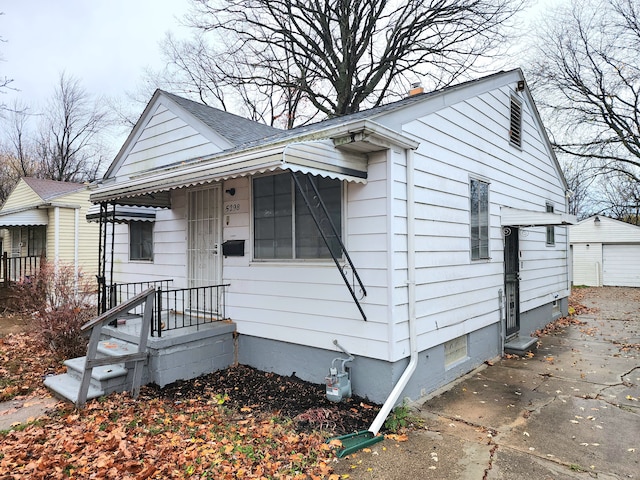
(600, 229)
(169, 119)
(50, 189)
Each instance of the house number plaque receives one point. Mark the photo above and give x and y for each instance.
(232, 207)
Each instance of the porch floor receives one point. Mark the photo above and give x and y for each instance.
(128, 329)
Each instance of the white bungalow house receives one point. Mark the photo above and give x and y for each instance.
(605, 252)
(443, 217)
(46, 219)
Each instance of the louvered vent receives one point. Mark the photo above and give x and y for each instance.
(515, 132)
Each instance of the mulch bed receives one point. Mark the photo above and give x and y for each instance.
(245, 388)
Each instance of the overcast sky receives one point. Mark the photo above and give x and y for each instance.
(105, 44)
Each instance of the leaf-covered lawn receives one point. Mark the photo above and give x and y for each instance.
(239, 423)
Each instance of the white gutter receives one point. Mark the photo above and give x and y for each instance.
(411, 285)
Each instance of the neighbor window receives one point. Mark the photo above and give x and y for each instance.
(515, 129)
(141, 241)
(283, 225)
(479, 194)
(36, 240)
(551, 231)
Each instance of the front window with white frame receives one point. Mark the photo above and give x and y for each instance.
(141, 241)
(283, 225)
(479, 217)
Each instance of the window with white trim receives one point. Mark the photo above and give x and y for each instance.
(282, 223)
(551, 230)
(141, 241)
(479, 210)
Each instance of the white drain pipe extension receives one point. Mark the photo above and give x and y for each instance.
(411, 285)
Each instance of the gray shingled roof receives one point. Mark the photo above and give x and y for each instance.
(244, 133)
(48, 189)
(237, 130)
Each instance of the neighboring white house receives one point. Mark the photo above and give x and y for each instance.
(451, 206)
(605, 252)
(48, 218)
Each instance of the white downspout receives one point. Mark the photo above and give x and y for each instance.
(76, 246)
(411, 286)
(56, 240)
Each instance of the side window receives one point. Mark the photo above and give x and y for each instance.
(141, 241)
(479, 209)
(551, 231)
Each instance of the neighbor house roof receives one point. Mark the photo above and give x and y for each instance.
(49, 189)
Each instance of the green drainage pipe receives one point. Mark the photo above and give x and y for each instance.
(355, 441)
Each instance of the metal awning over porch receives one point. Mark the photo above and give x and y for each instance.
(339, 152)
(31, 216)
(316, 158)
(515, 217)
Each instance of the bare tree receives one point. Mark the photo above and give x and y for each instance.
(586, 78)
(4, 80)
(286, 58)
(618, 197)
(17, 152)
(70, 145)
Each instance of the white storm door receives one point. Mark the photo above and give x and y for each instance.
(204, 235)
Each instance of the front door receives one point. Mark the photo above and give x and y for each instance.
(204, 234)
(512, 279)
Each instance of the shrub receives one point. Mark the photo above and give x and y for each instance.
(59, 305)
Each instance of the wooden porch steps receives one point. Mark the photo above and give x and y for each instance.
(521, 345)
(105, 379)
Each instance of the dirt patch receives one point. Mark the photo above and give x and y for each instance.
(13, 323)
(289, 397)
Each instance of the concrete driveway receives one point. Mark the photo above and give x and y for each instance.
(572, 411)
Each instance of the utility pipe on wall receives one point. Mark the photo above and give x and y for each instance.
(411, 291)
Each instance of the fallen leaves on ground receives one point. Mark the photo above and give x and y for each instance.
(23, 366)
(236, 423)
(120, 437)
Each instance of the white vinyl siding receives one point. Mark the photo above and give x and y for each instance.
(167, 139)
(463, 140)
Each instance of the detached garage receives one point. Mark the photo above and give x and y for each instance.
(605, 252)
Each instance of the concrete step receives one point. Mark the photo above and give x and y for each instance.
(111, 347)
(521, 345)
(67, 387)
(108, 378)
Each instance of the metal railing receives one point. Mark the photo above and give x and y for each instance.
(116, 293)
(177, 308)
(13, 269)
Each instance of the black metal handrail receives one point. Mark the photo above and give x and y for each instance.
(13, 269)
(188, 307)
(117, 293)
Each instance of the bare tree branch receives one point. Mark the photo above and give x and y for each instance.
(287, 60)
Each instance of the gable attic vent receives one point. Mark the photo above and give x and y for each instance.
(515, 130)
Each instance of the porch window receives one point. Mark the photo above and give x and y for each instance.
(283, 225)
(479, 196)
(141, 241)
(551, 231)
(36, 241)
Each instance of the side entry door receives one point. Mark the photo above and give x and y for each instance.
(512, 279)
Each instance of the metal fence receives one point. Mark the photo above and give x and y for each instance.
(174, 308)
(14, 269)
(188, 307)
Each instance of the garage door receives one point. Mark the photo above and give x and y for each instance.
(621, 265)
